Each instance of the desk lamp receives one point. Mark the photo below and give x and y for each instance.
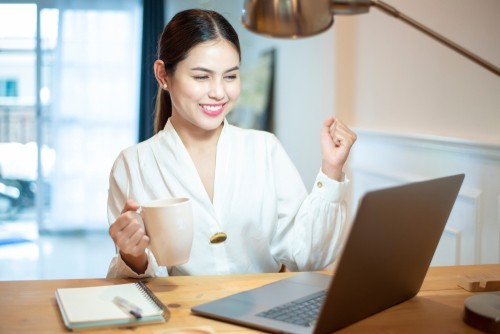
(302, 18)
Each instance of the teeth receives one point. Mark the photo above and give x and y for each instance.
(211, 108)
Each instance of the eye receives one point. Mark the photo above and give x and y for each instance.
(200, 77)
(231, 77)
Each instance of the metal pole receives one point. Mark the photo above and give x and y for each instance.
(388, 9)
(39, 120)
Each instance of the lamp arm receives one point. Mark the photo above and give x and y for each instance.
(440, 38)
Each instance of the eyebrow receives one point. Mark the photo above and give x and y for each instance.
(210, 71)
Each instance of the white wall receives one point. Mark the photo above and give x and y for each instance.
(422, 110)
(399, 79)
(472, 234)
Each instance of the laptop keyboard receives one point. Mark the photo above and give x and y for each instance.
(302, 312)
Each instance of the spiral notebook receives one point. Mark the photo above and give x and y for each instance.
(97, 306)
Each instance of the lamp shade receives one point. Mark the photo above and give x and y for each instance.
(287, 18)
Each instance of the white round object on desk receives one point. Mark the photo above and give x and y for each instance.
(482, 311)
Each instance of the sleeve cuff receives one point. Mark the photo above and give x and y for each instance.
(126, 271)
(329, 189)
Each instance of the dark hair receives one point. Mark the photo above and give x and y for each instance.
(185, 30)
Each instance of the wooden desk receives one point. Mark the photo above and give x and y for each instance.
(30, 306)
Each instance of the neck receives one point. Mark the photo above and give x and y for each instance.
(195, 138)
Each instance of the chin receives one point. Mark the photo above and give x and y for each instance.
(212, 123)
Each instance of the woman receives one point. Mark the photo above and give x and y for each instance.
(240, 181)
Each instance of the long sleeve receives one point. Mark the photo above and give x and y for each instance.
(309, 227)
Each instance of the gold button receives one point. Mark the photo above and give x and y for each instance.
(319, 184)
(218, 237)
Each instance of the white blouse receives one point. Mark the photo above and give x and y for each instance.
(259, 201)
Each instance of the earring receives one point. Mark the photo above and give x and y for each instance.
(165, 86)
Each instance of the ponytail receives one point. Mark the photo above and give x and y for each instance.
(163, 109)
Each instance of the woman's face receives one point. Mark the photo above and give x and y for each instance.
(205, 85)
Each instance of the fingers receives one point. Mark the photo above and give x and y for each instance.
(133, 240)
(326, 129)
(130, 205)
(336, 142)
(128, 233)
(329, 121)
(341, 135)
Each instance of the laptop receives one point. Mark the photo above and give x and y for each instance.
(384, 261)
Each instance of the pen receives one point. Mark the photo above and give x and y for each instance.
(128, 307)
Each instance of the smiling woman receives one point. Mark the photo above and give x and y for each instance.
(251, 210)
(208, 81)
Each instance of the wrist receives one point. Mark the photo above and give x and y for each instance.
(139, 263)
(333, 173)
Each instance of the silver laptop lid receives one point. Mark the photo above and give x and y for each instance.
(389, 249)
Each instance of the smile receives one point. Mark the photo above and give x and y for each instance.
(212, 109)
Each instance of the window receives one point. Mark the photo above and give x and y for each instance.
(85, 65)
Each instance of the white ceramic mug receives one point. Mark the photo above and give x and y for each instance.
(169, 225)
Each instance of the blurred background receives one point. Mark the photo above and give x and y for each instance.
(76, 87)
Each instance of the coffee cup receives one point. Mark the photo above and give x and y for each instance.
(169, 226)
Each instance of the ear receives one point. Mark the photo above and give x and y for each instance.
(160, 73)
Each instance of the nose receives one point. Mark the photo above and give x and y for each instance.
(216, 90)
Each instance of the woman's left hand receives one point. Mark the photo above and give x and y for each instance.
(336, 142)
